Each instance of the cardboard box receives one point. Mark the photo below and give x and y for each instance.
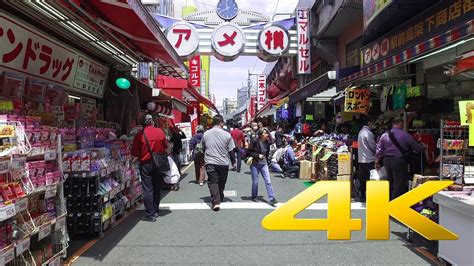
(314, 170)
(344, 165)
(305, 170)
(418, 180)
(344, 178)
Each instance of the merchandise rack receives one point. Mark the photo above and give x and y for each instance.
(456, 157)
(28, 234)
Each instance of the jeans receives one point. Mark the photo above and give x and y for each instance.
(364, 175)
(216, 180)
(152, 181)
(238, 158)
(199, 168)
(397, 174)
(263, 169)
(275, 167)
(291, 170)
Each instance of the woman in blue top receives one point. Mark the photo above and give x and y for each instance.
(259, 150)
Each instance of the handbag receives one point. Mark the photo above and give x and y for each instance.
(249, 161)
(159, 161)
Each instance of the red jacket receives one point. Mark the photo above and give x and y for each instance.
(158, 143)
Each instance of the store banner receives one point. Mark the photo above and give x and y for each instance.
(25, 50)
(261, 92)
(304, 41)
(372, 9)
(357, 101)
(203, 83)
(437, 20)
(195, 71)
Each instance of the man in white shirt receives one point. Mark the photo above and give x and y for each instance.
(276, 159)
(366, 154)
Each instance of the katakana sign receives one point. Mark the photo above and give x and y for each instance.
(195, 71)
(25, 50)
(262, 91)
(184, 38)
(228, 41)
(304, 43)
(357, 101)
(273, 42)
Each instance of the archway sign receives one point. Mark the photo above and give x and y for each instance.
(228, 32)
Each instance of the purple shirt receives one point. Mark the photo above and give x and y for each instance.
(385, 147)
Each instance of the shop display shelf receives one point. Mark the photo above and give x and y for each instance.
(55, 260)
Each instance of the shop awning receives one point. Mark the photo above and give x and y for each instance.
(324, 96)
(132, 20)
(263, 110)
(314, 87)
(456, 35)
(147, 94)
(201, 99)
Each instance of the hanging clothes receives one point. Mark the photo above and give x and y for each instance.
(399, 97)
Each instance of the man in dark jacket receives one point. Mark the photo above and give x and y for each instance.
(198, 155)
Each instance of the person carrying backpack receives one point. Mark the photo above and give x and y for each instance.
(198, 155)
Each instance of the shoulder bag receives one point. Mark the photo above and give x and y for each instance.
(159, 161)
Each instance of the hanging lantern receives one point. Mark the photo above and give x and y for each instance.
(151, 106)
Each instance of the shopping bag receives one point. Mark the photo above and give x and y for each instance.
(172, 176)
(378, 175)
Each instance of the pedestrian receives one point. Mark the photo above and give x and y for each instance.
(218, 154)
(259, 151)
(291, 167)
(177, 137)
(366, 154)
(298, 130)
(198, 155)
(154, 139)
(239, 140)
(276, 160)
(395, 148)
(252, 134)
(279, 135)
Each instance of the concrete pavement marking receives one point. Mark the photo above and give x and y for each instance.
(230, 193)
(245, 206)
(187, 167)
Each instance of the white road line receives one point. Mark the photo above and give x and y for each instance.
(245, 206)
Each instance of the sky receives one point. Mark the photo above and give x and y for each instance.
(227, 77)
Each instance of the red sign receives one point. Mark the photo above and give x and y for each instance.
(262, 91)
(304, 45)
(195, 71)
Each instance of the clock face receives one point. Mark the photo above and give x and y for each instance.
(227, 9)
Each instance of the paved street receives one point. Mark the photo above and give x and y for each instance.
(188, 232)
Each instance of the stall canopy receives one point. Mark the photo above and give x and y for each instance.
(314, 87)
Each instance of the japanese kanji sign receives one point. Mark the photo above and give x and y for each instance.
(304, 42)
(262, 91)
(435, 21)
(195, 71)
(228, 41)
(203, 83)
(184, 38)
(357, 101)
(273, 42)
(34, 54)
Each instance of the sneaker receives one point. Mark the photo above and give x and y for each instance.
(216, 207)
(149, 219)
(156, 215)
(201, 184)
(273, 202)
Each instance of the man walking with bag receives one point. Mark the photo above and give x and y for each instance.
(218, 154)
(150, 141)
(395, 147)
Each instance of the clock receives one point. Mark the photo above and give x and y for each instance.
(227, 9)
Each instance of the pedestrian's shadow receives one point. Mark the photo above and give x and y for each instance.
(247, 172)
(208, 199)
(259, 198)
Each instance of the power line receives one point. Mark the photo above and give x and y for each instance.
(276, 7)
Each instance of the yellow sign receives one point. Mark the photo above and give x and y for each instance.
(465, 112)
(6, 105)
(357, 101)
(471, 130)
(339, 224)
(7, 131)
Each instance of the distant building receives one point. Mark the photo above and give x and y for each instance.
(242, 96)
(162, 7)
(229, 106)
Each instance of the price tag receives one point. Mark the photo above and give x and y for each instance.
(18, 163)
(4, 167)
(50, 191)
(22, 246)
(60, 223)
(7, 212)
(50, 155)
(44, 231)
(56, 261)
(21, 205)
(7, 255)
